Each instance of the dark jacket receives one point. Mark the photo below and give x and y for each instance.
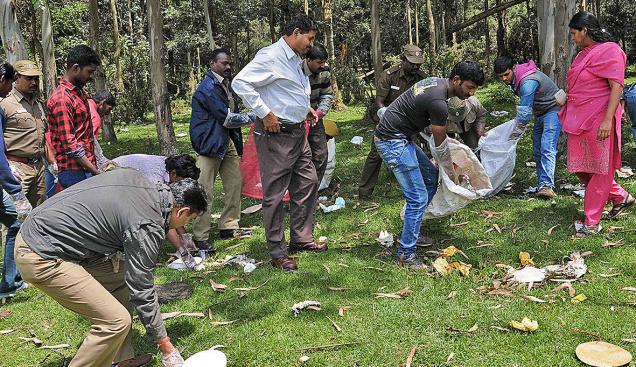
(209, 109)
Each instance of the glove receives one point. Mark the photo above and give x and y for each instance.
(22, 205)
(517, 132)
(187, 243)
(381, 112)
(238, 120)
(443, 156)
(173, 359)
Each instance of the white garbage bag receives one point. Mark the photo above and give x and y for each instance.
(474, 182)
(331, 164)
(498, 155)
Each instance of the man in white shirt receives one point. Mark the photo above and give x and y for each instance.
(276, 88)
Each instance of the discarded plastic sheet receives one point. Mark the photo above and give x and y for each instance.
(528, 274)
(179, 265)
(239, 260)
(248, 268)
(530, 190)
(602, 354)
(173, 291)
(572, 269)
(499, 113)
(356, 140)
(571, 187)
(207, 358)
(252, 209)
(385, 238)
(498, 155)
(339, 204)
(310, 305)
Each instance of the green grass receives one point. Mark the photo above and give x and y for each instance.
(385, 329)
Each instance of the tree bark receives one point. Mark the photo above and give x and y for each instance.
(431, 36)
(48, 50)
(409, 22)
(417, 22)
(10, 33)
(119, 81)
(501, 32)
(272, 21)
(563, 48)
(545, 19)
(163, 113)
(376, 44)
(208, 24)
(306, 7)
(482, 16)
(93, 28)
(327, 12)
(487, 36)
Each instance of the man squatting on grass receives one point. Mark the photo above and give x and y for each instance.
(72, 246)
(423, 105)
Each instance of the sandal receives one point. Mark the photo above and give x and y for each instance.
(583, 231)
(617, 209)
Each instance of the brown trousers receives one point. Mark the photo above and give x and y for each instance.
(33, 184)
(285, 164)
(318, 145)
(93, 290)
(229, 170)
(370, 172)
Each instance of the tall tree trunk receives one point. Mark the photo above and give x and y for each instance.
(306, 7)
(327, 12)
(563, 48)
(597, 5)
(48, 50)
(417, 22)
(487, 37)
(10, 33)
(583, 5)
(192, 83)
(119, 81)
(431, 36)
(376, 44)
(163, 113)
(129, 17)
(208, 24)
(93, 28)
(533, 32)
(409, 22)
(272, 21)
(545, 19)
(442, 32)
(501, 32)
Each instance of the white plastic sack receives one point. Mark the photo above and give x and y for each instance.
(331, 164)
(498, 155)
(451, 197)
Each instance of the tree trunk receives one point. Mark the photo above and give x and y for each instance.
(583, 5)
(563, 48)
(272, 21)
(501, 32)
(376, 44)
(48, 50)
(545, 19)
(417, 22)
(306, 7)
(431, 36)
(533, 32)
(487, 37)
(131, 29)
(208, 24)
(327, 11)
(163, 113)
(93, 27)
(482, 16)
(119, 81)
(10, 33)
(409, 22)
(192, 83)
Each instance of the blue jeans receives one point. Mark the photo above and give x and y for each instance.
(630, 106)
(11, 279)
(71, 177)
(545, 138)
(49, 180)
(417, 177)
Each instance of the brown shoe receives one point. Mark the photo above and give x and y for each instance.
(310, 246)
(135, 361)
(546, 193)
(284, 263)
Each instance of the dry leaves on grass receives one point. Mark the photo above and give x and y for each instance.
(411, 356)
(565, 286)
(223, 323)
(454, 330)
(335, 326)
(4, 314)
(217, 286)
(6, 331)
(525, 259)
(526, 325)
(552, 229)
(490, 214)
(338, 289)
(55, 347)
(34, 340)
(451, 295)
(533, 299)
(402, 293)
(578, 299)
(243, 291)
(629, 289)
(342, 309)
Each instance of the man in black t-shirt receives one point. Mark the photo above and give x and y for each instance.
(424, 104)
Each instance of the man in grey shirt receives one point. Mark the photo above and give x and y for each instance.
(276, 88)
(96, 256)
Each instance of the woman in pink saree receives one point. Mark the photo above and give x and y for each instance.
(591, 118)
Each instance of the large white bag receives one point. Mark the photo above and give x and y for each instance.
(498, 155)
(331, 164)
(451, 197)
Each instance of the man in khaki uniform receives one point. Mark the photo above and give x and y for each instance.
(25, 125)
(393, 82)
(466, 118)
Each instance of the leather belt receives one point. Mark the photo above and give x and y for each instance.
(30, 161)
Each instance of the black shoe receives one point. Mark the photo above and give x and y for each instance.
(204, 245)
(235, 233)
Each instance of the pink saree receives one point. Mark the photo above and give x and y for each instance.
(588, 98)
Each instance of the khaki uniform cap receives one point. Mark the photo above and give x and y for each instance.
(27, 68)
(413, 54)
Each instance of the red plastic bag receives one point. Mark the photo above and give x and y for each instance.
(250, 170)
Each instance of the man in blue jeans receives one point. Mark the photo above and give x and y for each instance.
(15, 205)
(422, 105)
(537, 94)
(629, 96)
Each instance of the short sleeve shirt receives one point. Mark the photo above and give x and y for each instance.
(425, 103)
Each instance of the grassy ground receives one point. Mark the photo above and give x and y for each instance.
(383, 330)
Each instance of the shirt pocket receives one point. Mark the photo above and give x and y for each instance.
(22, 120)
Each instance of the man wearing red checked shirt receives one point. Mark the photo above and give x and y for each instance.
(70, 119)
